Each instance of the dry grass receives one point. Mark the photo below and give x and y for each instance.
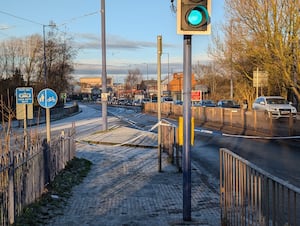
(56, 194)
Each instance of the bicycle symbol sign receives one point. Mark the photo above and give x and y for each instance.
(47, 98)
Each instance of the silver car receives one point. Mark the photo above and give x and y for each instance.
(274, 106)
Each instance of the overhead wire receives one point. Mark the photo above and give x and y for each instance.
(37, 23)
(79, 17)
(20, 18)
(40, 24)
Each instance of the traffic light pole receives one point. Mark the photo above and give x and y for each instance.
(186, 159)
(193, 18)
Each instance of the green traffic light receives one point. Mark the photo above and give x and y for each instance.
(195, 17)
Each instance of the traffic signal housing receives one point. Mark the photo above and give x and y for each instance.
(193, 17)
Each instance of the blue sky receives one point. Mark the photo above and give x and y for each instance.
(132, 27)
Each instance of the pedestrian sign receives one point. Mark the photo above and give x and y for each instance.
(47, 98)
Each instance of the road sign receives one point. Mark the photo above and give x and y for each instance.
(24, 95)
(196, 95)
(47, 98)
(260, 78)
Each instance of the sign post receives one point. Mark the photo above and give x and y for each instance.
(47, 98)
(24, 107)
(260, 79)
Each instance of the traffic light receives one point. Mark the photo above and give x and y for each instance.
(193, 17)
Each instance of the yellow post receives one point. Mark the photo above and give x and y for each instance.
(180, 130)
(192, 130)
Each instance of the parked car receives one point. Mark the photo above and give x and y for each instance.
(137, 102)
(146, 100)
(178, 102)
(167, 99)
(154, 100)
(274, 106)
(206, 103)
(122, 101)
(129, 102)
(228, 104)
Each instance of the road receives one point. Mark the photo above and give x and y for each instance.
(278, 157)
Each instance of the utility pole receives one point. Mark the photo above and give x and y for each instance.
(104, 82)
(159, 52)
(47, 117)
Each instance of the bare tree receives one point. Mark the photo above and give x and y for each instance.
(10, 52)
(59, 57)
(23, 60)
(214, 77)
(133, 78)
(33, 46)
(262, 34)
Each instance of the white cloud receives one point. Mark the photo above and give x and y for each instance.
(91, 41)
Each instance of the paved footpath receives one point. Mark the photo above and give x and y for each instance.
(125, 188)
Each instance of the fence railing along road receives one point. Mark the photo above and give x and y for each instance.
(251, 196)
(25, 173)
(239, 118)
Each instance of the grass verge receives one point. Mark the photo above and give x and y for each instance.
(51, 203)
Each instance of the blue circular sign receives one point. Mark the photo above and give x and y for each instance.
(47, 98)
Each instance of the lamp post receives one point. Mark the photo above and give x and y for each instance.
(179, 78)
(147, 70)
(45, 66)
(234, 25)
(45, 83)
(44, 46)
(104, 75)
(231, 71)
(168, 69)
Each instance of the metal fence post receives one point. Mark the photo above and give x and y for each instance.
(46, 150)
(249, 195)
(11, 194)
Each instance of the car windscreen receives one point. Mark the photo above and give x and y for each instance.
(276, 101)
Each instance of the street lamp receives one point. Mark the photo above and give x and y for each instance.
(147, 70)
(168, 68)
(233, 21)
(45, 80)
(44, 45)
(179, 86)
(231, 70)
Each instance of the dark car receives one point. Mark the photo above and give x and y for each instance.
(178, 102)
(207, 103)
(228, 104)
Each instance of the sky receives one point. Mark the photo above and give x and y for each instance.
(132, 27)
